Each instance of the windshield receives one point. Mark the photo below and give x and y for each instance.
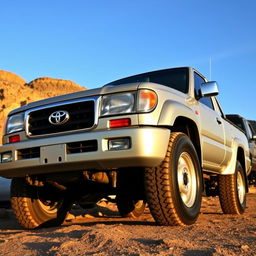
(176, 78)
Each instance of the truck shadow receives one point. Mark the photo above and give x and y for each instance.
(99, 215)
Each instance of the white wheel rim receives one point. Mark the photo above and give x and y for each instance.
(46, 206)
(240, 188)
(138, 204)
(187, 181)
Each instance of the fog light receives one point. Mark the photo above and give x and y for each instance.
(119, 144)
(6, 157)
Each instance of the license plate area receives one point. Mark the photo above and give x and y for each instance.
(53, 154)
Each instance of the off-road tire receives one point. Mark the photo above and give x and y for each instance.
(230, 187)
(30, 211)
(162, 185)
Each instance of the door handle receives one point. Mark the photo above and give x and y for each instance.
(218, 120)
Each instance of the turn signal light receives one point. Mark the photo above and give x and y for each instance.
(147, 100)
(14, 138)
(119, 122)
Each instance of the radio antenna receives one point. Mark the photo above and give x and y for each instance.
(210, 68)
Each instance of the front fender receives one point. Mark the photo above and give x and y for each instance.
(173, 109)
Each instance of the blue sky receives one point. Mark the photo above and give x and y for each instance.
(94, 42)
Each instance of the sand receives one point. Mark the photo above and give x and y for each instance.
(100, 231)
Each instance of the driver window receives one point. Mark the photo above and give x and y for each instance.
(198, 80)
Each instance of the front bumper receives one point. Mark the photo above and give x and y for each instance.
(148, 148)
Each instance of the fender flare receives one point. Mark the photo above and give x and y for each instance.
(231, 167)
(171, 110)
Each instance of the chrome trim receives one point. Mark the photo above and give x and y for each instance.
(55, 117)
(95, 99)
(209, 89)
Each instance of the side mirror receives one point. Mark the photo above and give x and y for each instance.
(209, 89)
(254, 137)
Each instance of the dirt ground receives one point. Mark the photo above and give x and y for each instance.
(100, 231)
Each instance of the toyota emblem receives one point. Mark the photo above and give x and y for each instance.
(59, 117)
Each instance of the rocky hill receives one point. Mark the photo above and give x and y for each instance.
(15, 91)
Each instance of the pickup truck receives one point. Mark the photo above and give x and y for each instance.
(149, 138)
(247, 128)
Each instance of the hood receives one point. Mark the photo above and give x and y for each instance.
(107, 89)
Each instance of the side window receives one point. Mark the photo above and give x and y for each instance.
(251, 133)
(198, 80)
(218, 108)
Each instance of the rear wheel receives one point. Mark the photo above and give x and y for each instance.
(232, 191)
(174, 189)
(35, 207)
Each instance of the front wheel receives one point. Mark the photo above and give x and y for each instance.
(174, 189)
(36, 207)
(232, 191)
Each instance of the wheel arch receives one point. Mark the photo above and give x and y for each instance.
(181, 118)
(171, 110)
(241, 159)
(189, 127)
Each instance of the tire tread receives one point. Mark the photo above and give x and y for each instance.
(228, 194)
(157, 185)
(20, 206)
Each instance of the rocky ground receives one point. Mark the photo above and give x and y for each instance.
(100, 231)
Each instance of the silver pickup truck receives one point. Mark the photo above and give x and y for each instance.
(151, 138)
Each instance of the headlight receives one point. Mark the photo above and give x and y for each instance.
(15, 123)
(119, 103)
(130, 102)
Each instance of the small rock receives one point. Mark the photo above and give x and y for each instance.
(88, 216)
(101, 225)
(245, 247)
(216, 221)
(70, 217)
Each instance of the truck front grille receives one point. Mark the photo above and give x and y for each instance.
(81, 116)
